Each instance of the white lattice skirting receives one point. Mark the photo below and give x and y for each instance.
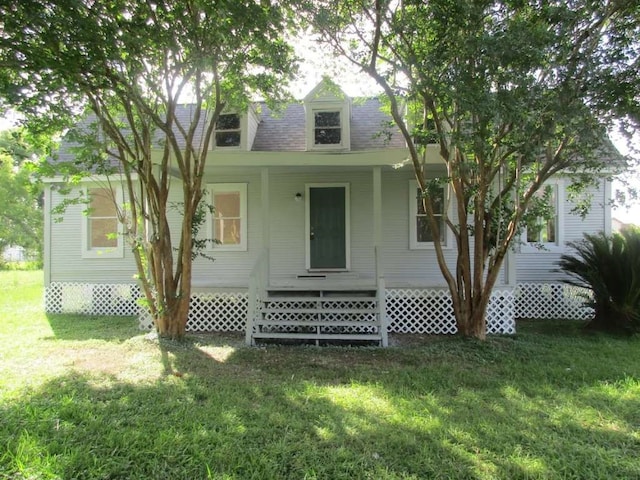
(552, 300)
(430, 311)
(426, 311)
(211, 312)
(92, 299)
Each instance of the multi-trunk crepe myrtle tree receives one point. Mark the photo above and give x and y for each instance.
(129, 64)
(511, 92)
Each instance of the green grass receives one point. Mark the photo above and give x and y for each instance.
(95, 398)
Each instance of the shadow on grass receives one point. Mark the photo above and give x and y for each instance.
(87, 327)
(449, 409)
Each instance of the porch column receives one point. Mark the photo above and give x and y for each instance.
(377, 216)
(266, 223)
(377, 249)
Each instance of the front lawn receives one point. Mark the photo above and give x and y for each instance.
(96, 398)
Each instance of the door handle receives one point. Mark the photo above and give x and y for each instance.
(312, 234)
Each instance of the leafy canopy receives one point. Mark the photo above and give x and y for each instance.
(21, 215)
(508, 93)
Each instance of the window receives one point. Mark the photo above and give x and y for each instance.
(327, 129)
(328, 126)
(228, 225)
(228, 131)
(102, 232)
(545, 230)
(420, 234)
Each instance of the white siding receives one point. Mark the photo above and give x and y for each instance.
(66, 262)
(232, 268)
(540, 265)
(287, 251)
(403, 266)
(229, 268)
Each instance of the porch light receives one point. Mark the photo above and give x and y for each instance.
(298, 197)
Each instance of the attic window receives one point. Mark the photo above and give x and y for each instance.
(327, 128)
(228, 130)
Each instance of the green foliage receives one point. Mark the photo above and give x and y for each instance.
(199, 241)
(28, 265)
(610, 267)
(510, 92)
(21, 215)
(127, 68)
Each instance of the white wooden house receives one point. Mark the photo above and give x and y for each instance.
(320, 236)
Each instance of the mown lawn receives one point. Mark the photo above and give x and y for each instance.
(96, 398)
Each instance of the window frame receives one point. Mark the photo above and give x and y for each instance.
(345, 132)
(332, 127)
(557, 245)
(212, 189)
(101, 252)
(414, 244)
(240, 130)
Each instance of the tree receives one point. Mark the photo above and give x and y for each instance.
(131, 64)
(21, 217)
(512, 92)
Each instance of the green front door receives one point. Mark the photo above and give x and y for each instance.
(327, 228)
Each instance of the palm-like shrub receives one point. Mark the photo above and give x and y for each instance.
(610, 267)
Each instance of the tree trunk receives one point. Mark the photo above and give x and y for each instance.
(172, 323)
(475, 323)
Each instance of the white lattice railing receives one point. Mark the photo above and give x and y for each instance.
(407, 310)
(551, 300)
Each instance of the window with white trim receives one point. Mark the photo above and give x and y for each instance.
(228, 130)
(420, 233)
(101, 229)
(227, 224)
(544, 232)
(327, 128)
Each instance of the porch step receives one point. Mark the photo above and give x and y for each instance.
(316, 323)
(319, 336)
(341, 313)
(345, 310)
(330, 299)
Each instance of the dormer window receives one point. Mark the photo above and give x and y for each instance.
(328, 118)
(228, 130)
(327, 128)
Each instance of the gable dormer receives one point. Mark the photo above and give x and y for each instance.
(327, 118)
(236, 131)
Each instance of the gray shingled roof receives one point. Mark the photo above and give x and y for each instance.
(285, 131)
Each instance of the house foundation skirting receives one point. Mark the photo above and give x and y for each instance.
(408, 310)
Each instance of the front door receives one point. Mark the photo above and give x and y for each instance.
(327, 227)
